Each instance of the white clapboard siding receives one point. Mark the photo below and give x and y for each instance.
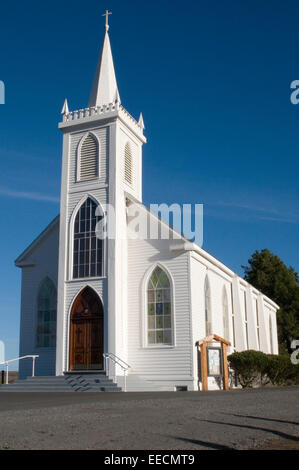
(157, 362)
(45, 260)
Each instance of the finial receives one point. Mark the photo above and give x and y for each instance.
(107, 16)
(141, 122)
(65, 109)
(117, 97)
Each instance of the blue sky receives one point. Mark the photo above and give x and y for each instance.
(213, 82)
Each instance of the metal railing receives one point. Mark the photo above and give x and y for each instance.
(116, 360)
(19, 359)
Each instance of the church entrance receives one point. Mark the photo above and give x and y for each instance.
(86, 332)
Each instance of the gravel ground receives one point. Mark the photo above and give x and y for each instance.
(239, 419)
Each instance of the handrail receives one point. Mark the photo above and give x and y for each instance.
(19, 359)
(117, 360)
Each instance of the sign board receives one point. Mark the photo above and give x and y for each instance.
(214, 358)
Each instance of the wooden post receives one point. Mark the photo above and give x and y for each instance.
(225, 366)
(204, 366)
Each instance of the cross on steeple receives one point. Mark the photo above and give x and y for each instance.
(107, 17)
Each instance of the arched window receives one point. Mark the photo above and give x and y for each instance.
(88, 249)
(159, 308)
(225, 314)
(88, 158)
(46, 315)
(208, 317)
(128, 164)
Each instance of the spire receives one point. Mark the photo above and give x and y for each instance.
(65, 109)
(104, 90)
(141, 122)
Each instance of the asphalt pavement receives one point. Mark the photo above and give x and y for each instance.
(239, 419)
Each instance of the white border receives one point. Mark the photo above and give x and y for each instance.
(71, 238)
(68, 324)
(78, 159)
(144, 343)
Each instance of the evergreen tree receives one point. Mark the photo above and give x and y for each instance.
(272, 277)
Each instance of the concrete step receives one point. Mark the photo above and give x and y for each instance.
(93, 382)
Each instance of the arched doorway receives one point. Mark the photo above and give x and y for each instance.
(86, 332)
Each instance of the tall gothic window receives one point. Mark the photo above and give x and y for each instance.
(208, 315)
(88, 249)
(257, 324)
(46, 315)
(246, 320)
(88, 158)
(225, 315)
(159, 304)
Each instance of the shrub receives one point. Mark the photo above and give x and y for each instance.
(281, 371)
(256, 366)
(248, 366)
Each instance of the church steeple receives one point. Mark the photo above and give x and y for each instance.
(104, 90)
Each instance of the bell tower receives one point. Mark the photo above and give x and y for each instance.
(101, 163)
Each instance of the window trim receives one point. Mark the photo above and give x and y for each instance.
(225, 296)
(78, 159)
(245, 318)
(207, 282)
(271, 345)
(144, 310)
(69, 276)
(82, 286)
(257, 323)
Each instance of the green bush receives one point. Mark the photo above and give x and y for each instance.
(248, 366)
(257, 367)
(281, 371)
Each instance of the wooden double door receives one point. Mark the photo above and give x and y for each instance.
(86, 332)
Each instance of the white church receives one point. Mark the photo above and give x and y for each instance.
(128, 309)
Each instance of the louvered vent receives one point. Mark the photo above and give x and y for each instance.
(89, 159)
(128, 164)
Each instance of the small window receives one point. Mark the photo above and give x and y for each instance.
(88, 158)
(46, 315)
(128, 164)
(159, 309)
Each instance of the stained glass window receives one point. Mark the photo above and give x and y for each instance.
(159, 314)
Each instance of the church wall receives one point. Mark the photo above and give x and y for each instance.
(240, 290)
(163, 365)
(201, 268)
(44, 259)
(76, 191)
(118, 251)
